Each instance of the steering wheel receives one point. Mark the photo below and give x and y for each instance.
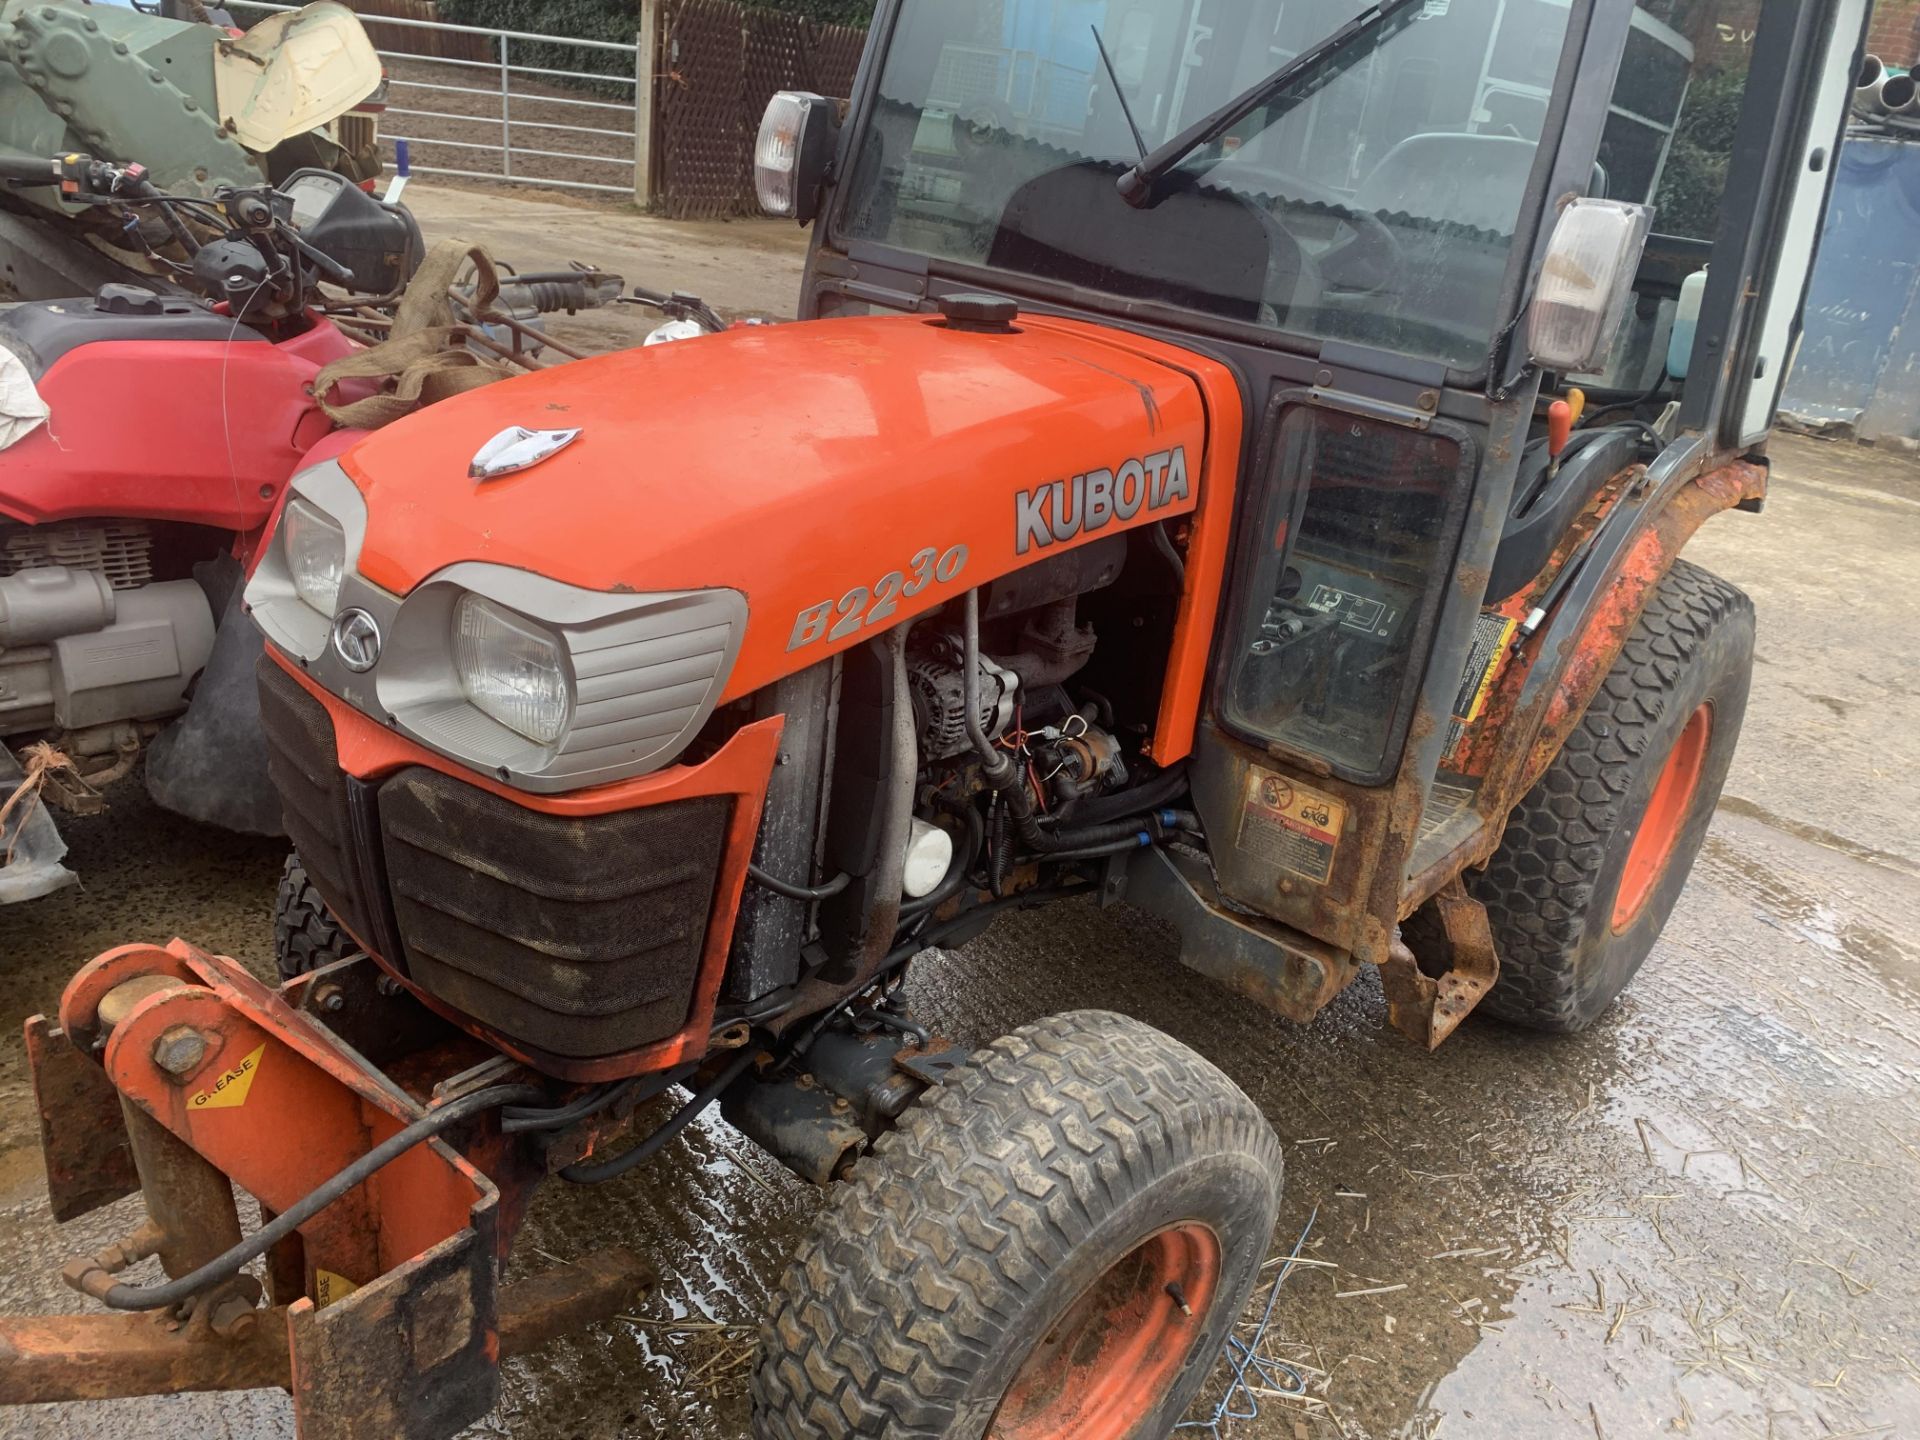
(1370, 261)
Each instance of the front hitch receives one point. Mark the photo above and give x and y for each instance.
(387, 1208)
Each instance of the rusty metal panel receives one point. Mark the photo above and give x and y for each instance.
(1429, 994)
(89, 1163)
(410, 1356)
(1292, 975)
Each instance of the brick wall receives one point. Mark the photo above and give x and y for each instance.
(1895, 37)
(1722, 30)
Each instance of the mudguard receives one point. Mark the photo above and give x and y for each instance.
(210, 765)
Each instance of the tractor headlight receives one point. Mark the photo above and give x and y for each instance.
(316, 553)
(305, 573)
(511, 670)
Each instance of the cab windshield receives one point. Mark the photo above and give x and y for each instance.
(1375, 200)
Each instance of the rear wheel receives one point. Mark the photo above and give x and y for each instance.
(1055, 1243)
(305, 934)
(1595, 858)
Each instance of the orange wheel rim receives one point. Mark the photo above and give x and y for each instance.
(1110, 1361)
(1666, 817)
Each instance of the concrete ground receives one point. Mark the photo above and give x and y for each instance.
(1698, 1219)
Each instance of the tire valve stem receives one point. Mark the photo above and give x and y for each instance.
(1179, 1298)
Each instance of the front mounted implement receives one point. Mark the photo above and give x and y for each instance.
(388, 1198)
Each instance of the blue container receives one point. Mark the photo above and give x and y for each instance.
(1859, 359)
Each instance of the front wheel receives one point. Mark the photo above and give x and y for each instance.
(305, 934)
(1594, 859)
(1055, 1243)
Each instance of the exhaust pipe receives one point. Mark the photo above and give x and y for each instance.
(1866, 85)
(1900, 95)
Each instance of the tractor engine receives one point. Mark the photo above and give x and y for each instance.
(1026, 705)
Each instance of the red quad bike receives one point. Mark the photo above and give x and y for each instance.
(149, 437)
(164, 428)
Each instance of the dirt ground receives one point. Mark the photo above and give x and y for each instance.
(1697, 1220)
(746, 268)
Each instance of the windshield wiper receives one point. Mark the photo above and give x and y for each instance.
(1136, 186)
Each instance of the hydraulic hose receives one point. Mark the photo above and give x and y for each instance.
(226, 1266)
(798, 892)
(672, 1126)
(519, 1120)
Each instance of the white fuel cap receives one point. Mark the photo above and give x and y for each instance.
(929, 856)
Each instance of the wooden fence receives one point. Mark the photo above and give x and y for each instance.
(717, 65)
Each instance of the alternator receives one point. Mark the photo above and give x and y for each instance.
(939, 703)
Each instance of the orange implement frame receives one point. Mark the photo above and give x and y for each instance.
(395, 1331)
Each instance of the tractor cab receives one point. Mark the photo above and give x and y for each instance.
(1508, 292)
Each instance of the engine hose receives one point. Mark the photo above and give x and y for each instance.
(955, 880)
(931, 937)
(1140, 841)
(1162, 789)
(670, 1127)
(1000, 859)
(1151, 831)
(798, 892)
(226, 1266)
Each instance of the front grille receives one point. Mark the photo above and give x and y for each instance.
(301, 758)
(581, 937)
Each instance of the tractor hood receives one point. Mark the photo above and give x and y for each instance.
(841, 475)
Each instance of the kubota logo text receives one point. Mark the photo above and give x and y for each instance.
(1066, 508)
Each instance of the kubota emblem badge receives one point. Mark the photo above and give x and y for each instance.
(517, 448)
(356, 640)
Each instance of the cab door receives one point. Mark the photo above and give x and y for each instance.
(1805, 56)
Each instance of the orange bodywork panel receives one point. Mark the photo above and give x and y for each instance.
(843, 475)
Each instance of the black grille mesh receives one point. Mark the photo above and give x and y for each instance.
(581, 937)
(301, 758)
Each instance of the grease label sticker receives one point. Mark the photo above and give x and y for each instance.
(329, 1288)
(230, 1091)
(1288, 825)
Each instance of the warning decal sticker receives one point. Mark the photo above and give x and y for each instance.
(1291, 826)
(230, 1090)
(1491, 637)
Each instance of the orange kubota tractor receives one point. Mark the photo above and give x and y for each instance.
(1233, 462)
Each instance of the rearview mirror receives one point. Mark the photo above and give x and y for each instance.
(794, 152)
(1586, 283)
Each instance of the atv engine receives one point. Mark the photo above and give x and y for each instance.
(88, 635)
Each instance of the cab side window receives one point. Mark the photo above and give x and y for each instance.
(1668, 141)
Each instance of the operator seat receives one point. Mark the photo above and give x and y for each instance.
(1201, 246)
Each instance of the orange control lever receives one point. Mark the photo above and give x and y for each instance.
(1559, 427)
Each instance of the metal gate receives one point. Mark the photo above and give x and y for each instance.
(476, 106)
